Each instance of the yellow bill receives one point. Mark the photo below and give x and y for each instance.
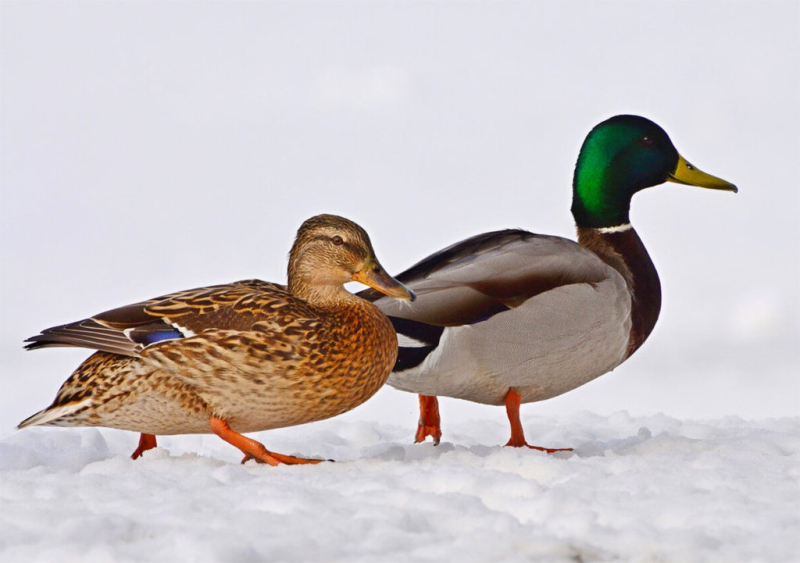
(687, 174)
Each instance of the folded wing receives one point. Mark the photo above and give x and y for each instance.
(130, 329)
(482, 276)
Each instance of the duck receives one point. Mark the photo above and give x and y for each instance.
(240, 357)
(511, 317)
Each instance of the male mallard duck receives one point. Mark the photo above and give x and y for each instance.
(241, 357)
(513, 317)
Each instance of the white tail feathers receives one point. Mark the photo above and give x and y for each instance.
(50, 416)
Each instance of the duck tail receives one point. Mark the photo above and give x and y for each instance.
(51, 415)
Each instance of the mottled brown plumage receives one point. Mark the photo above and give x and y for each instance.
(241, 357)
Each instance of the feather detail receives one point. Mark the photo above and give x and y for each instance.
(130, 329)
(88, 333)
(51, 415)
(416, 341)
(480, 277)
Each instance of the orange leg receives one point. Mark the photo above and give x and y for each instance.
(513, 400)
(251, 448)
(429, 423)
(146, 442)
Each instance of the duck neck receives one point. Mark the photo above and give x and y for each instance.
(601, 194)
(317, 286)
(621, 248)
(321, 296)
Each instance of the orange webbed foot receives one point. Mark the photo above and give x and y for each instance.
(146, 442)
(252, 449)
(514, 442)
(429, 421)
(280, 458)
(517, 440)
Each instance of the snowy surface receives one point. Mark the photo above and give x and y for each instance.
(153, 147)
(652, 489)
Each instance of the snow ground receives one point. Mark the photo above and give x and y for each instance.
(149, 148)
(649, 488)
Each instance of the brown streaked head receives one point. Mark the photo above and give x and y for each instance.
(330, 251)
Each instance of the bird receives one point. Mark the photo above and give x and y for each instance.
(240, 357)
(511, 317)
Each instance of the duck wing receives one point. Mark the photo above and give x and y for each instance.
(478, 278)
(238, 306)
(484, 275)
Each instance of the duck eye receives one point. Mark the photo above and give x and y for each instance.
(647, 141)
(337, 240)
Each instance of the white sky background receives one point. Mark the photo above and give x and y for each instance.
(148, 148)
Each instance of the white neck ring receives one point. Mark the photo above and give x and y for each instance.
(617, 229)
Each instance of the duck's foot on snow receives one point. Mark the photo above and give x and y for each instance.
(252, 449)
(517, 440)
(146, 442)
(429, 422)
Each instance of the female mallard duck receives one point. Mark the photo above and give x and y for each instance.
(241, 357)
(514, 317)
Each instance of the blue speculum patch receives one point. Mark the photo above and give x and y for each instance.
(154, 337)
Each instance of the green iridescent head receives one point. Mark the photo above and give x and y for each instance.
(621, 156)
